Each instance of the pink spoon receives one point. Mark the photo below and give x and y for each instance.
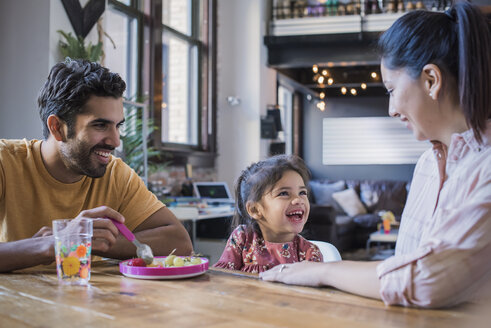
(142, 250)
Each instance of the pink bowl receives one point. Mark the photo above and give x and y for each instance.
(163, 273)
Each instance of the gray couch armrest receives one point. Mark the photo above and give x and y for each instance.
(322, 214)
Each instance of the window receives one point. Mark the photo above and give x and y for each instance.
(177, 14)
(285, 101)
(121, 47)
(181, 50)
(164, 51)
(179, 91)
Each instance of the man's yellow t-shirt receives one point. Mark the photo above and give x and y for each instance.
(31, 198)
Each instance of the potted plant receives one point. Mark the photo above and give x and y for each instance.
(75, 47)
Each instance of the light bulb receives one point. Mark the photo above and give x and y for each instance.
(320, 80)
(343, 90)
(315, 68)
(374, 75)
(353, 91)
(363, 86)
(322, 95)
(324, 72)
(330, 81)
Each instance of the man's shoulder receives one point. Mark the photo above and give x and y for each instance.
(16, 146)
(118, 170)
(118, 165)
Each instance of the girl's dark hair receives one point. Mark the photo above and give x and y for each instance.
(458, 41)
(70, 84)
(260, 178)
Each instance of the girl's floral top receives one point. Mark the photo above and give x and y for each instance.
(247, 251)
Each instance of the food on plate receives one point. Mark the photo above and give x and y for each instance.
(168, 262)
(136, 262)
(176, 261)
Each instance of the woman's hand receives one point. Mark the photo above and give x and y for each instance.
(301, 273)
(356, 277)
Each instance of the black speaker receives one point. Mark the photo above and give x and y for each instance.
(277, 148)
(276, 114)
(268, 128)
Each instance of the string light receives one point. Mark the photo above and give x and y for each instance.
(321, 105)
(324, 79)
(322, 95)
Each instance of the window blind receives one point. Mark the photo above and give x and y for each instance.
(369, 140)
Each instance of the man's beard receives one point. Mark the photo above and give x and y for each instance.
(76, 155)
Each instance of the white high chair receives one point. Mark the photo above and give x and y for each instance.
(329, 252)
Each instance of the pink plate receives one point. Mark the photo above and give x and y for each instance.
(163, 273)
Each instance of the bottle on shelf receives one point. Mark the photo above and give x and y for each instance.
(368, 6)
(375, 8)
(391, 7)
(400, 7)
(341, 9)
(420, 5)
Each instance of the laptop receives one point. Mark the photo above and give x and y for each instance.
(215, 192)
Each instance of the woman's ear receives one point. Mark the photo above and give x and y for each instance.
(56, 128)
(254, 210)
(432, 78)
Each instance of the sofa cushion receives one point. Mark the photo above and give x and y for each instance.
(350, 202)
(322, 193)
(344, 225)
(368, 221)
(383, 195)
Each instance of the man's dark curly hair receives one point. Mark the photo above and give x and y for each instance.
(69, 86)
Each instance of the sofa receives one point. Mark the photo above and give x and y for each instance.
(345, 212)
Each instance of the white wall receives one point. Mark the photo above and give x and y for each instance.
(28, 50)
(242, 73)
(24, 65)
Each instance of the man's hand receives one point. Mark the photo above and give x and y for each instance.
(43, 232)
(104, 231)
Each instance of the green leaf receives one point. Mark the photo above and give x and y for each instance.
(131, 137)
(74, 47)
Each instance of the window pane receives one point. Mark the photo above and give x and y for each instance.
(179, 91)
(122, 57)
(126, 2)
(285, 101)
(178, 15)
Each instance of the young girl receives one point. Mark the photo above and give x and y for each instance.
(271, 210)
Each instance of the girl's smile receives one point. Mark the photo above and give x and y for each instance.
(282, 212)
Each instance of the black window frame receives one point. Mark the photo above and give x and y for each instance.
(150, 31)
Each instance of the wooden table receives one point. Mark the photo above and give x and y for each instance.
(218, 298)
